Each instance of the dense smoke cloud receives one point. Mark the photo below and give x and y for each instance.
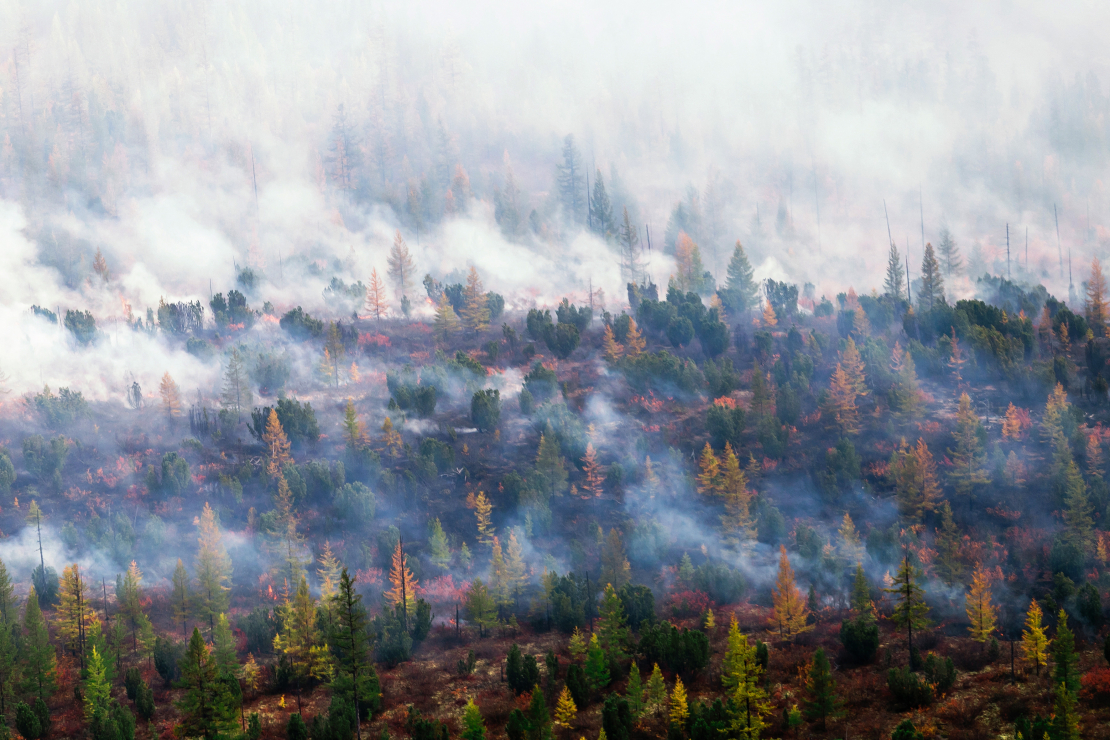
(186, 142)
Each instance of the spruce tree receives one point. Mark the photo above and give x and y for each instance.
(894, 285)
(569, 180)
(949, 253)
(822, 701)
(632, 271)
(634, 694)
(236, 393)
(910, 610)
(206, 708)
(601, 210)
(967, 457)
(597, 665)
(38, 662)
(1064, 658)
(612, 625)
(355, 678)
(931, 291)
(741, 292)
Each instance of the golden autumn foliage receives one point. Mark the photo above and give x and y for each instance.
(790, 612)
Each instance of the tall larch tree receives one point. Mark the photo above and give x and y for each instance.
(1095, 306)
(968, 468)
(615, 568)
(171, 398)
(790, 613)
(483, 510)
(377, 302)
(737, 521)
(131, 606)
(446, 322)
(236, 393)
(709, 471)
(206, 708)
(635, 344)
(182, 599)
(402, 592)
(277, 445)
(300, 640)
(981, 613)
(285, 544)
(475, 304)
(401, 270)
(632, 269)
(75, 610)
(212, 569)
(355, 677)
(1034, 642)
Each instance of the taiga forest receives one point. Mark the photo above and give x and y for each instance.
(410, 371)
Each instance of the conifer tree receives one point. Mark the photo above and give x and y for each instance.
(822, 701)
(601, 211)
(237, 391)
(710, 471)
(285, 544)
(597, 665)
(569, 181)
(861, 594)
(482, 512)
(981, 613)
(97, 689)
(842, 400)
(770, 320)
(905, 396)
(565, 710)
(497, 581)
(299, 640)
(737, 521)
(743, 679)
(656, 689)
(741, 289)
(213, 569)
(612, 349)
(949, 253)
(515, 569)
(790, 612)
(592, 468)
(612, 625)
(352, 650)
(1077, 506)
(475, 313)
(8, 604)
(577, 645)
(9, 669)
(634, 694)
(1095, 306)
(75, 611)
(894, 285)
(615, 568)
(1011, 425)
(277, 445)
(967, 457)
(1065, 718)
(38, 664)
(376, 301)
(401, 269)
(635, 342)
(632, 270)
(328, 572)
(1034, 643)
(1065, 661)
(910, 610)
(131, 606)
(850, 546)
(950, 565)
(446, 322)
(1093, 455)
(473, 726)
(931, 291)
(549, 461)
(739, 657)
(206, 708)
(182, 600)
(439, 552)
(391, 438)
(403, 585)
(679, 709)
(171, 398)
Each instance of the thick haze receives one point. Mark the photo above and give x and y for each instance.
(144, 128)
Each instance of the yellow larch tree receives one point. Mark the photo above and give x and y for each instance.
(565, 709)
(376, 301)
(980, 611)
(446, 322)
(1011, 425)
(737, 521)
(1095, 305)
(842, 401)
(613, 350)
(475, 312)
(171, 398)
(678, 706)
(403, 584)
(483, 508)
(1094, 456)
(710, 471)
(634, 342)
(790, 612)
(277, 445)
(594, 478)
(769, 318)
(391, 438)
(1034, 642)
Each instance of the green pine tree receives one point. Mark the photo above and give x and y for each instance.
(206, 708)
(612, 626)
(822, 701)
(38, 664)
(635, 692)
(597, 665)
(910, 610)
(1064, 657)
(741, 291)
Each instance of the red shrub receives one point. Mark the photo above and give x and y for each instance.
(687, 603)
(1096, 686)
